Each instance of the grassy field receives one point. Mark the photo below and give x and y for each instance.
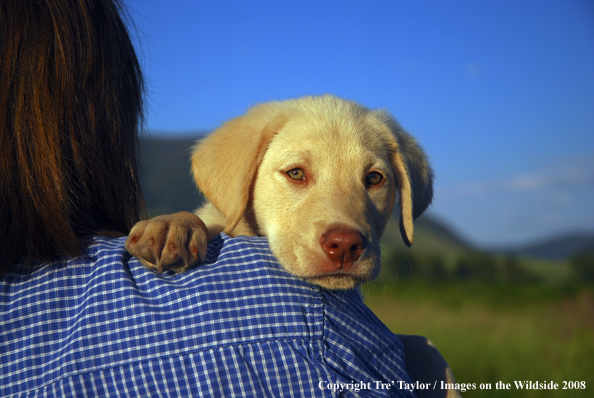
(490, 332)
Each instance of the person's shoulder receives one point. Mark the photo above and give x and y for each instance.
(247, 262)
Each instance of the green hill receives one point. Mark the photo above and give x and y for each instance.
(431, 236)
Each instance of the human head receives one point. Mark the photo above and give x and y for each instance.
(70, 112)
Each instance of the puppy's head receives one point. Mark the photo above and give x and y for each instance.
(319, 177)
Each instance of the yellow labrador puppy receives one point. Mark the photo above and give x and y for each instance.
(318, 176)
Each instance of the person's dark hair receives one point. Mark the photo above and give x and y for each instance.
(70, 113)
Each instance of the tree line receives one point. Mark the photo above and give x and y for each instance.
(474, 265)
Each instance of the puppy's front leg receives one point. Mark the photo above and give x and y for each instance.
(169, 242)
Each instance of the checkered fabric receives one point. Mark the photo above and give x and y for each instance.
(238, 325)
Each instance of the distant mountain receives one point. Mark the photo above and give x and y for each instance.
(558, 247)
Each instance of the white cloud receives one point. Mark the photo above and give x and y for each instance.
(570, 176)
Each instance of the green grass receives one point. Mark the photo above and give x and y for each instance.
(498, 332)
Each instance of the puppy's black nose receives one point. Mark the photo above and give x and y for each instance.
(344, 246)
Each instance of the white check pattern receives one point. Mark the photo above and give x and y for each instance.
(237, 325)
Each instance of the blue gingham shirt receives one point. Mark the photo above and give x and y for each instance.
(238, 325)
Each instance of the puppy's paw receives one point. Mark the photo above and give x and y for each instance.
(169, 242)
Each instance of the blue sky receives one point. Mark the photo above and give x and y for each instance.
(499, 93)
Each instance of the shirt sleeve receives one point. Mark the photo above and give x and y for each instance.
(236, 325)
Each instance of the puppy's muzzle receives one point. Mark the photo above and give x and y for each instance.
(343, 246)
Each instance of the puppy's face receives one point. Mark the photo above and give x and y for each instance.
(323, 193)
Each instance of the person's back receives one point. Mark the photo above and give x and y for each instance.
(238, 325)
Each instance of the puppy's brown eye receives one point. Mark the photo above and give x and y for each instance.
(297, 174)
(374, 178)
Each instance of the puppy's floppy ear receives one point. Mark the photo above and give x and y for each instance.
(414, 174)
(225, 163)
